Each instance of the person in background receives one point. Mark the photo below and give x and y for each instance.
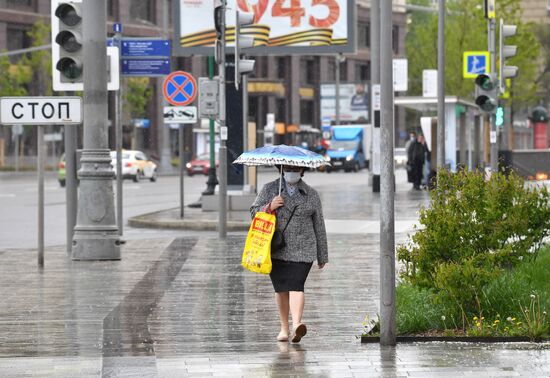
(415, 161)
(408, 144)
(299, 206)
(427, 162)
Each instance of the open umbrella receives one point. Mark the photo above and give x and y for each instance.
(281, 155)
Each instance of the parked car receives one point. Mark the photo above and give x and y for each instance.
(201, 164)
(135, 165)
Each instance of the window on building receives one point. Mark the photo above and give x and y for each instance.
(308, 72)
(280, 110)
(20, 3)
(363, 35)
(112, 9)
(362, 71)
(343, 71)
(306, 112)
(281, 67)
(17, 38)
(143, 10)
(331, 71)
(395, 39)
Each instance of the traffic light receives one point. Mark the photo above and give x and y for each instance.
(486, 92)
(506, 51)
(67, 51)
(242, 66)
(499, 116)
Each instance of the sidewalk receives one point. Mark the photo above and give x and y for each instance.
(183, 307)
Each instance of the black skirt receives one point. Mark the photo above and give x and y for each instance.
(289, 275)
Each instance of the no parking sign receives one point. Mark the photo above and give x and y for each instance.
(179, 88)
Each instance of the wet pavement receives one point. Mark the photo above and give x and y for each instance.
(179, 307)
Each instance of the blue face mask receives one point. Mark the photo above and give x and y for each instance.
(292, 177)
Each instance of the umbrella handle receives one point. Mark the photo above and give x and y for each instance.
(280, 180)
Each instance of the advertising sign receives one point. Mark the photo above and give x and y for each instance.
(354, 102)
(280, 26)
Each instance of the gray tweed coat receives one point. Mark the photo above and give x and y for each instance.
(305, 236)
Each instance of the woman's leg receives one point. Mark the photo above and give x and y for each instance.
(283, 305)
(296, 307)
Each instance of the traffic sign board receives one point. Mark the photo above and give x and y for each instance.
(475, 63)
(145, 48)
(180, 114)
(145, 67)
(179, 88)
(40, 110)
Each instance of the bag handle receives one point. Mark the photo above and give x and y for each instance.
(291, 214)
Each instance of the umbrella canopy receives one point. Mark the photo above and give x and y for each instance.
(281, 155)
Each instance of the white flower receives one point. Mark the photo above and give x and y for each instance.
(443, 317)
(509, 318)
(533, 296)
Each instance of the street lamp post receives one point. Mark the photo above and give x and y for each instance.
(96, 234)
(387, 180)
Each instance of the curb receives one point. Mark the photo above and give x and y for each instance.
(458, 339)
(143, 221)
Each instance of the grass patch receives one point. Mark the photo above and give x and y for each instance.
(516, 303)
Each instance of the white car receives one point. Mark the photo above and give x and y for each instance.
(135, 165)
(400, 157)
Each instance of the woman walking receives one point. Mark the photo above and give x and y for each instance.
(299, 214)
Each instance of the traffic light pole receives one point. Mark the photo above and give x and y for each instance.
(492, 53)
(222, 211)
(118, 136)
(212, 179)
(441, 87)
(96, 234)
(374, 178)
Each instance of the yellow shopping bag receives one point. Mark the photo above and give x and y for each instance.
(257, 250)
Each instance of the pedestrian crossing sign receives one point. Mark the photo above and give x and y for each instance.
(475, 63)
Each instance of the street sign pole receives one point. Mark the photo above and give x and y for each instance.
(16, 153)
(182, 167)
(40, 170)
(387, 181)
(118, 136)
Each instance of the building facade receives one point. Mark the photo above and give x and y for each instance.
(286, 86)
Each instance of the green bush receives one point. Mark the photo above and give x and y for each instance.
(473, 230)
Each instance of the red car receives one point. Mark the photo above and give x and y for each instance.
(201, 164)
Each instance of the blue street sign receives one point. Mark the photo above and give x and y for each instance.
(145, 47)
(142, 123)
(117, 27)
(145, 67)
(475, 63)
(179, 88)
